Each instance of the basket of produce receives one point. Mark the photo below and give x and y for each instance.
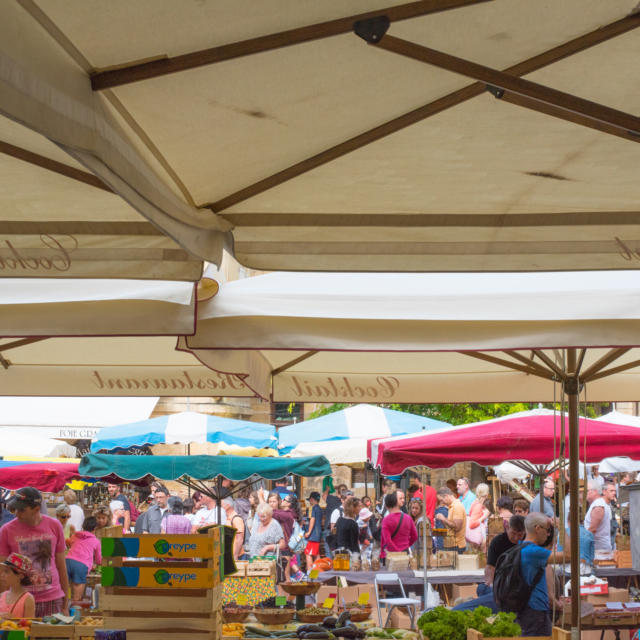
(273, 616)
(313, 614)
(300, 588)
(357, 612)
(235, 613)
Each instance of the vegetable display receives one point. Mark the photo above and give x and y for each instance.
(444, 624)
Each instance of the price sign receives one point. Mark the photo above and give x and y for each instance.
(313, 574)
(328, 603)
(242, 599)
(281, 601)
(363, 599)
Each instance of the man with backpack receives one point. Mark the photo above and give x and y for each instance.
(521, 583)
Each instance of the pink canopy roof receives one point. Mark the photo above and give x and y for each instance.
(45, 476)
(528, 435)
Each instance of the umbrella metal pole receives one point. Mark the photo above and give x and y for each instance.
(572, 388)
(425, 582)
(219, 500)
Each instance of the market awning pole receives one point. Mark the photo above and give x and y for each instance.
(572, 389)
(366, 485)
(425, 582)
(219, 500)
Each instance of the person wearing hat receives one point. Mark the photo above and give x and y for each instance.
(41, 539)
(16, 602)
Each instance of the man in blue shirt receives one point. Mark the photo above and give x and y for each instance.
(548, 489)
(465, 495)
(535, 618)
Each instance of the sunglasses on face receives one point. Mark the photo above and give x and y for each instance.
(63, 517)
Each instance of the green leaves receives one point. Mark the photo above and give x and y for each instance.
(442, 624)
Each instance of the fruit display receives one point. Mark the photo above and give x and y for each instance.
(233, 630)
(15, 625)
(313, 614)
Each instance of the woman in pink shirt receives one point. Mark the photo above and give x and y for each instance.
(398, 531)
(83, 554)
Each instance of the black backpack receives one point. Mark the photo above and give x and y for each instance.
(510, 590)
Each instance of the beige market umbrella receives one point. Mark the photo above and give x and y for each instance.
(431, 338)
(327, 136)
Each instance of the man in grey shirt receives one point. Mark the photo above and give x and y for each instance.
(156, 512)
(548, 489)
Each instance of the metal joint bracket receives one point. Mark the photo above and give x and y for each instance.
(496, 92)
(373, 29)
(572, 386)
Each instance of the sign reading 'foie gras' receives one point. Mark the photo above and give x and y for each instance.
(157, 577)
(159, 546)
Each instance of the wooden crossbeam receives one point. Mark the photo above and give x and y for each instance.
(480, 355)
(597, 114)
(560, 374)
(528, 362)
(619, 369)
(52, 165)
(161, 66)
(603, 362)
(564, 114)
(292, 363)
(19, 343)
(525, 67)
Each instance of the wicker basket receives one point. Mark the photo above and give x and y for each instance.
(273, 616)
(357, 614)
(313, 618)
(300, 588)
(235, 615)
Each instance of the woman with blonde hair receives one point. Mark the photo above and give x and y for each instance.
(476, 534)
(63, 514)
(267, 535)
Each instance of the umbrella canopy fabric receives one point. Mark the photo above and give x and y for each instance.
(108, 367)
(15, 441)
(342, 436)
(99, 465)
(320, 151)
(620, 418)
(531, 435)
(407, 337)
(185, 427)
(44, 476)
(33, 307)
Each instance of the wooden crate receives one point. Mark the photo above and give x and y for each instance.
(472, 634)
(53, 631)
(495, 524)
(241, 565)
(178, 598)
(86, 631)
(261, 568)
(623, 559)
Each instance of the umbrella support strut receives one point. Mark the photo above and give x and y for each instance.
(572, 389)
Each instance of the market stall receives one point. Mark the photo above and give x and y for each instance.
(256, 584)
(44, 476)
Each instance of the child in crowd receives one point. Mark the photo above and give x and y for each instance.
(16, 602)
(83, 554)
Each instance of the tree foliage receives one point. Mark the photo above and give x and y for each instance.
(462, 413)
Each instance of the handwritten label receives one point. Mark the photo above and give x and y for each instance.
(242, 599)
(281, 601)
(328, 603)
(363, 599)
(313, 574)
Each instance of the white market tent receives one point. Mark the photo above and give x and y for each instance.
(317, 136)
(22, 443)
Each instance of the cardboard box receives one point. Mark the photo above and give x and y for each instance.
(468, 561)
(463, 591)
(614, 595)
(623, 543)
(399, 619)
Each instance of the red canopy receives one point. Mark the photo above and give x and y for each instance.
(45, 476)
(528, 435)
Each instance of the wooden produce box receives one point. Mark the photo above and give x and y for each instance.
(623, 559)
(264, 568)
(53, 631)
(177, 596)
(603, 617)
(472, 634)
(84, 631)
(623, 543)
(241, 565)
